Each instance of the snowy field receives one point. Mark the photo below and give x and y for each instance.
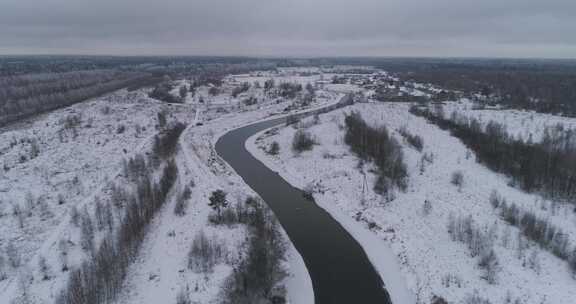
(210, 173)
(520, 123)
(51, 162)
(75, 159)
(429, 262)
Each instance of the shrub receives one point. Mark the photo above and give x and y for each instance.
(414, 140)
(457, 179)
(3, 275)
(43, 268)
(250, 101)
(13, 255)
(182, 202)
(302, 141)
(496, 200)
(274, 148)
(253, 280)
(438, 300)
(539, 230)
(166, 142)
(427, 207)
(120, 129)
(204, 254)
(183, 297)
(479, 242)
(475, 298)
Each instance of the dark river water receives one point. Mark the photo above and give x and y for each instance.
(338, 266)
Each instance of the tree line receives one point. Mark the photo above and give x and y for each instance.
(99, 278)
(548, 166)
(548, 87)
(26, 95)
(537, 229)
(377, 145)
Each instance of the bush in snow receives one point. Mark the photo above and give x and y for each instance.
(218, 201)
(414, 140)
(205, 254)
(43, 269)
(61, 199)
(274, 148)
(302, 141)
(183, 296)
(19, 215)
(496, 200)
(74, 216)
(182, 201)
(427, 207)
(457, 179)
(475, 298)
(165, 143)
(479, 242)
(13, 255)
(63, 254)
(539, 230)
(254, 279)
(573, 262)
(86, 232)
(3, 275)
(438, 300)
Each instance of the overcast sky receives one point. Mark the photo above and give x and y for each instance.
(469, 28)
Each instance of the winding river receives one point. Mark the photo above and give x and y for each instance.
(338, 266)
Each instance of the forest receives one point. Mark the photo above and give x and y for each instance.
(547, 86)
(30, 94)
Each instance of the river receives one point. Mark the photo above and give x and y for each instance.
(338, 266)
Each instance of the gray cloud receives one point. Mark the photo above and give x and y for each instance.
(511, 28)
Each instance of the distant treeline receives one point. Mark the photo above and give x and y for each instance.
(544, 86)
(26, 95)
(547, 166)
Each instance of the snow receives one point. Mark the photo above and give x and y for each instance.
(520, 123)
(72, 166)
(95, 156)
(419, 246)
(412, 251)
(298, 283)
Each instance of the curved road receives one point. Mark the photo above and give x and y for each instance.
(339, 268)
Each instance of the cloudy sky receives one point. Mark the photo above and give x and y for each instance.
(469, 28)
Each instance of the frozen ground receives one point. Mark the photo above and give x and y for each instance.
(430, 263)
(164, 258)
(78, 149)
(520, 123)
(85, 159)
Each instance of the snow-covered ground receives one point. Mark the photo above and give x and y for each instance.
(84, 161)
(71, 156)
(520, 123)
(429, 262)
(163, 258)
(78, 149)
